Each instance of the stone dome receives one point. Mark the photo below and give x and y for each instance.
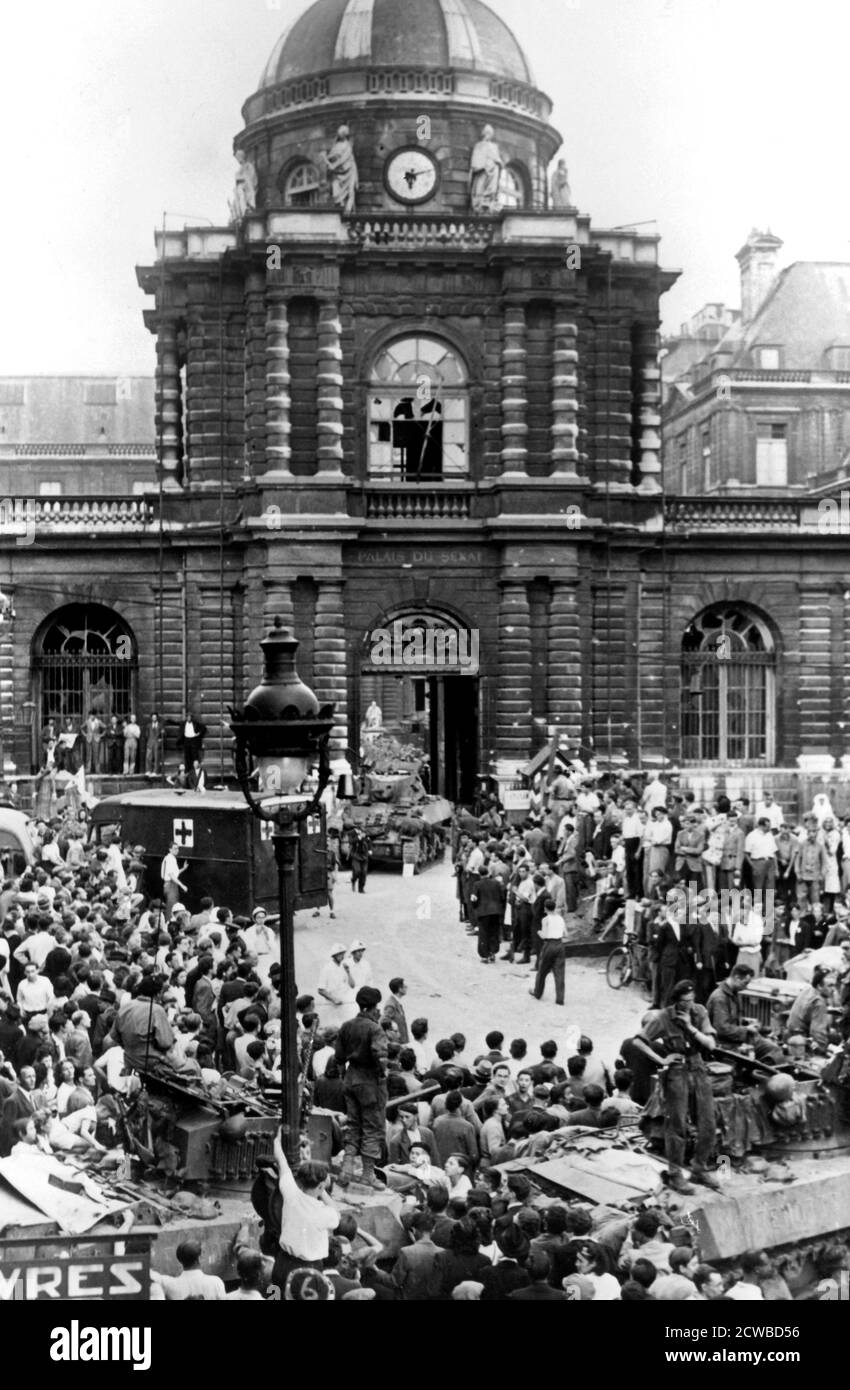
(442, 34)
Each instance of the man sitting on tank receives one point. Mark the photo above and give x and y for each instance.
(809, 1017)
(728, 1019)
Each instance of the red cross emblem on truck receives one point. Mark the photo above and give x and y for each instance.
(184, 833)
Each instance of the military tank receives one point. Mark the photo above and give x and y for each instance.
(403, 822)
(783, 1152)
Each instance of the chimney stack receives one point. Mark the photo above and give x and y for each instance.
(757, 259)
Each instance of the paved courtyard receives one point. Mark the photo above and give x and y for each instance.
(411, 928)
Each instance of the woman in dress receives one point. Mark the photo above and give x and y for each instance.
(748, 934)
(830, 837)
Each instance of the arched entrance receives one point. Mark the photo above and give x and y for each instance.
(84, 657)
(421, 669)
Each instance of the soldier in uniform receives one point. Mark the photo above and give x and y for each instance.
(361, 1049)
(683, 1035)
(359, 860)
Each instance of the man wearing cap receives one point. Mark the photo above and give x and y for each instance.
(258, 937)
(337, 988)
(361, 1049)
(683, 1035)
(359, 967)
(408, 1131)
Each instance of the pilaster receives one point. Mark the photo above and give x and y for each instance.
(329, 390)
(329, 659)
(278, 385)
(565, 404)
(513, 705)
(514, 393)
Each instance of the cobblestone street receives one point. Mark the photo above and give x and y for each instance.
(411, 928)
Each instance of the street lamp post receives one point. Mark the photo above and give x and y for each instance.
(278, 736)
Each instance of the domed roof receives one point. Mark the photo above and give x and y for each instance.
(391, 33)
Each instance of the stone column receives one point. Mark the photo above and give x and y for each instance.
(565, 397)
(10, 751)
(330, 664)
(277, 392)
(513, 707)
(514, 393)
(169, 412)
(650, 412)
(564, 677)
(278, 600)
(329, 390)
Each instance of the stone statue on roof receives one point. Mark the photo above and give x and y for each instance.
(485, 174)
(244, 198)
(561, 196)
(341, 167)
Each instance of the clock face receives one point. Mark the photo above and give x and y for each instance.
(411, 175)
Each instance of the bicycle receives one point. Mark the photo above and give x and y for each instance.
(626, 963)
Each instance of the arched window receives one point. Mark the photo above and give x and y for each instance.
(513, 187)
(418, 412)
(84, 657)
(302, 185)
(728, 688)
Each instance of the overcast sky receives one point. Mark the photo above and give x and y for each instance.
(710, 116)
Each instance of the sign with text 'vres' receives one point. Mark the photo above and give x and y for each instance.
(104, 1276)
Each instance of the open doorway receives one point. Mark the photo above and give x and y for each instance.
(437, 715)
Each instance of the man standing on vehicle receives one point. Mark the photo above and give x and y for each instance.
(172, 883)
(361, 1048)
(683, 1035)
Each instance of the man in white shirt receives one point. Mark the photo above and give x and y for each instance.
(192, 1282)
(35, 993)
(36, 948)
(336, 986)
(358, 965)
(768, 807)
(760, 853)
(50, 853)
(553, 931)
(172, 883)
(308, 1216)
(475, 860)
(655, 794)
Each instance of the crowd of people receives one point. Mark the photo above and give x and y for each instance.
(471, 1230)
(95, 976)
(699, 888)
(110, 745)
(96, 979)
